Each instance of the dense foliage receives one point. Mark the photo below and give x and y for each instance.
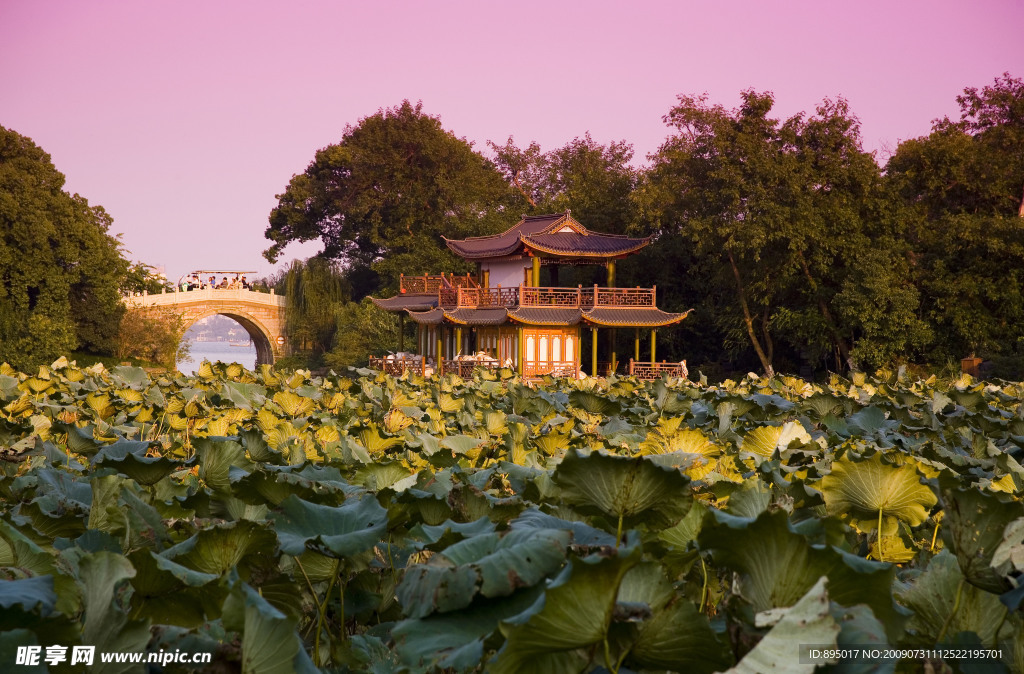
(798, 250)
(60, 268)
(281, 520)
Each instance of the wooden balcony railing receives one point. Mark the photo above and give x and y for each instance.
(483, 298)
(431, 283)
(587, 297)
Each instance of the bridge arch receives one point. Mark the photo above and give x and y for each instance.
(261, 336)
(261, 314)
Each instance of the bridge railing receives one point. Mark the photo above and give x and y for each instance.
(177, 296)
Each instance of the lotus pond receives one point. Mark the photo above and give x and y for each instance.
(293, 523)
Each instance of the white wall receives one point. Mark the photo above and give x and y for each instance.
(507, 274)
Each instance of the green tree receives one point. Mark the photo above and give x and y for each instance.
(385, 195)
(961, 193)
(60, 268)
(594, 181)
(363, 329)
(316, 289)
(154, 337)
(781, 215)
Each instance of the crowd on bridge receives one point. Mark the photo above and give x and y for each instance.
(194, 282)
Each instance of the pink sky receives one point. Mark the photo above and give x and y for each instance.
(184, 119)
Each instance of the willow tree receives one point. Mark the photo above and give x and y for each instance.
(315, 289)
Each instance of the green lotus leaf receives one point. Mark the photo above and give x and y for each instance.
(493, 565)
(807, 622)
(455, 640)
(944, 603)
(30, 594)
(461, 444)
(216, 457)
(133, 462)
(676, 636)
(104, 575)
(583, 535)
(777, 565)
(342, 531)
(975, 525)
(219, 548)
(385, 474)
(634, 489)
(575, 612)
(594, 404)
(80, 440)
(868, 491)
(270, 639)
(171, 594)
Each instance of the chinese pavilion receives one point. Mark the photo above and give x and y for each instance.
(503, 315)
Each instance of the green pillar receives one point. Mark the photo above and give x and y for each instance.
(401, 332)
(610, 266)
(593, 352)
(636, 346)
(536, 271)
(653, 357)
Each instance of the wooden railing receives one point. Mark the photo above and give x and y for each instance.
(565, 368)
(430, 283)
(396, 367)
(645, 370)
(588, 297)
(474, 298)
(624, 297)
(464, 368)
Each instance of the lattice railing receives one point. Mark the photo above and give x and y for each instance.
(432, 283)
(396, 367)
(565, 368)
(625, 297)
(550, 297)
(488, 297)
(464, 368)
(646, 370)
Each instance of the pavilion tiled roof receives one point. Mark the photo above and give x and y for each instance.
(494, 316)
(557, 234)
(432, 317)
(639, 317)
(407, 302)
(546, 315)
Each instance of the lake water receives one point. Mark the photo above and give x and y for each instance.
(214, 351)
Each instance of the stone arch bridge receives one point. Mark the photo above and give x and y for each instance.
(261, 314)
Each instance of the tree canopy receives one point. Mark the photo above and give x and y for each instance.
(796, 248)
(383, 197)
(60, 268)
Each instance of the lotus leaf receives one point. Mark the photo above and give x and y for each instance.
(493, 564)
(353, 527)
(870, 491)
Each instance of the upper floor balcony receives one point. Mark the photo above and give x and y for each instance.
(463, 292)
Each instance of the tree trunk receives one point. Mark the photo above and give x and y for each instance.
(844, 349)
(519, 186)
(1020, 212)
(766, 362)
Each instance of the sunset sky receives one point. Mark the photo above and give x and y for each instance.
(184, 119)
